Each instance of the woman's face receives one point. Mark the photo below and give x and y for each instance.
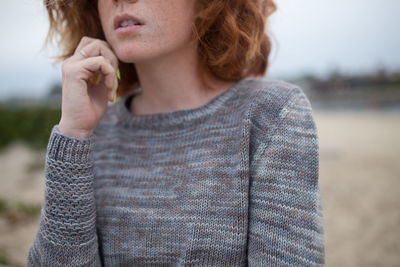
(166, 27)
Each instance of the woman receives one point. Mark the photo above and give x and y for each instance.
(199, 162)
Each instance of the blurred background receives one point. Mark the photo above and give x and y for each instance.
(344, 54)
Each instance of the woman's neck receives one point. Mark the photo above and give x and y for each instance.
(173, 83)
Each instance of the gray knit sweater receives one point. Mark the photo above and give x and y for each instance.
(231, 183)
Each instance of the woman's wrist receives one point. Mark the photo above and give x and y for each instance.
(76, 133)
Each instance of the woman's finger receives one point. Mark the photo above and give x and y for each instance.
(98, 47)
(101, 65)
(83, 42)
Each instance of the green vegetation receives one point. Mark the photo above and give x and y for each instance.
(3, 260)
(3, 206)
(31, 125)
(37, 165)
(29, 210)
(19, 211)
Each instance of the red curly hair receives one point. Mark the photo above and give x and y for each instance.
(232, 43)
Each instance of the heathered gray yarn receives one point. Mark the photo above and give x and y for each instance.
(231, 183)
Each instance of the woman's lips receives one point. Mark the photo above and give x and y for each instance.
(128, 29)
(119, 19)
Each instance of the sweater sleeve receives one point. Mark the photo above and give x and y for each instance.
(285, 213)
(67, 225)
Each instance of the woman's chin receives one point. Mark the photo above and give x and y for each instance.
(131, 57)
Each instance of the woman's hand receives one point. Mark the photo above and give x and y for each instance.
(89, 79)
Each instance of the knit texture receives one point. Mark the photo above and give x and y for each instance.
(233, 182)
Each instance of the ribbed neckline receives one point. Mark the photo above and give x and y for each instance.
(174, 118)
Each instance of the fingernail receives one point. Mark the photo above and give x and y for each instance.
(115, 90)
(118, 74)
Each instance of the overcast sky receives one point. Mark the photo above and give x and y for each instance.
(310, 36)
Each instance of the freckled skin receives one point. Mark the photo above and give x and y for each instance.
(167, 29)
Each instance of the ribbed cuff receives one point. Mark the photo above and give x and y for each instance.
(69, 215)
(70, 149)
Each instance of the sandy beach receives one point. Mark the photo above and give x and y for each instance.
(360, 187)
(359, 182)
